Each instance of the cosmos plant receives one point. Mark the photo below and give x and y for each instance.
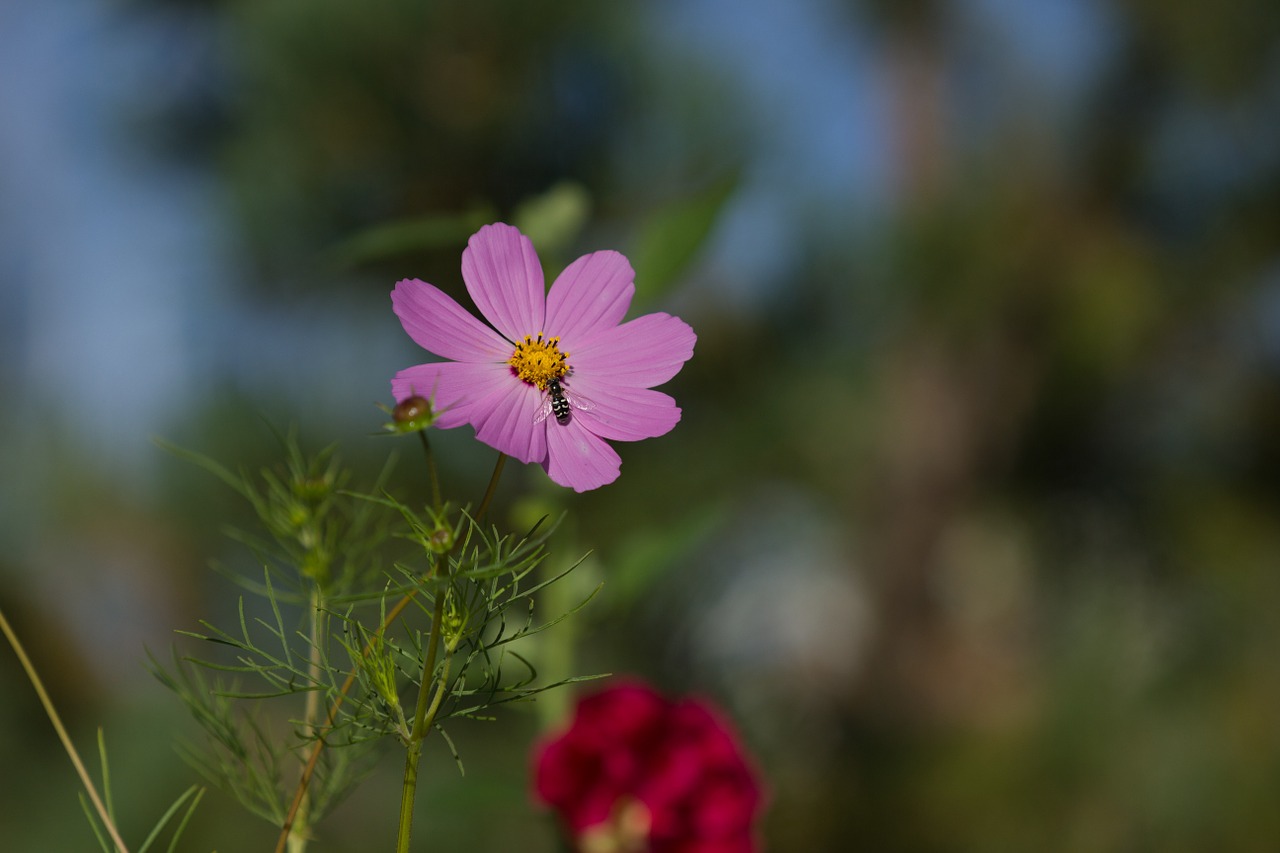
(559, 374)
(373, 618)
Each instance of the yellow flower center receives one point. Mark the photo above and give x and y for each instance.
(538, 361)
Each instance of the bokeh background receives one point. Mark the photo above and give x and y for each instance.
(971, 520)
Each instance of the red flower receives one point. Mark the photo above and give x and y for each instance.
(637, 772)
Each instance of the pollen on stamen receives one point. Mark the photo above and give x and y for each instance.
(539, 360)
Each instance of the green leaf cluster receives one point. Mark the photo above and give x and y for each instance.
(371, 622)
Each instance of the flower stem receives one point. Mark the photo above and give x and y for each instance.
(309, 770)
(300, 831)
(428, 667)
(52, 712)
(436, 502)
(423, 718)
(493, 486)
(425, 714)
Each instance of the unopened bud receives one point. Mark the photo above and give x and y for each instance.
(412, 414)
(440, 540)
(411, 409)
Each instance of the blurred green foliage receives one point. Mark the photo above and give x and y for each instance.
(1035, 405)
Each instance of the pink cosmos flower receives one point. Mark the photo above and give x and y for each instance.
(559, 377)
(637, 772)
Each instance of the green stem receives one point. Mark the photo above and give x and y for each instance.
(299, 832)
(425, 713)
(436, 501)
(493, 486)
(52, 712)
(423, 718)
(407, 791)
(308, 771)
(413, 748)
(428, 668)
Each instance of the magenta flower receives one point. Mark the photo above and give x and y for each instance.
(638, 772)
(560, 378)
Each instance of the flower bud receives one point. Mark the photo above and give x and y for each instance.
(411, 409)
(440, 540)
(455, 620)
(412, 414)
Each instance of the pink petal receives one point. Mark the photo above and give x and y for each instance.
(454, 388)
(505, 421)
(641, 353)
(591, 295)
(504, 278)
(440, 325)
(623, 413)
(578, 459)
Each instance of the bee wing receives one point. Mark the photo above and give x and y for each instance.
(544, 411)
(578, 401)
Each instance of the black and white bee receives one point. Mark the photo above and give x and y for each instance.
(561, 403)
